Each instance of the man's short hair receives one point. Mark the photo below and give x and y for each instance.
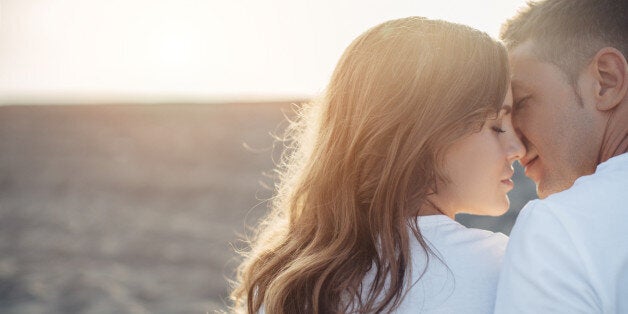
(568, 33)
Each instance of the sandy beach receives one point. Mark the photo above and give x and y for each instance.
(138, 208)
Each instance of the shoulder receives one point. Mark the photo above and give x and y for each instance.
(536, 214)
(454, 239)
(472, 255)
(543, 268)
(482, 244)
(540, 226)
(463, 276)
(542, 239)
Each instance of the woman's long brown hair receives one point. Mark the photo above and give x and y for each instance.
(360, 163)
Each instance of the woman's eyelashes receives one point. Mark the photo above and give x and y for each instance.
(498, 128)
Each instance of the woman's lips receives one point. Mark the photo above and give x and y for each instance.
(509, 183)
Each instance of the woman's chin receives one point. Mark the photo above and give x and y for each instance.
(501, 209)
(495, 210)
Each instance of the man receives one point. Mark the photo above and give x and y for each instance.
(568, 251)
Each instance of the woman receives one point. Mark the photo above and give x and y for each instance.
(413, 128)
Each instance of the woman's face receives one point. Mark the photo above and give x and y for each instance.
(479, 168)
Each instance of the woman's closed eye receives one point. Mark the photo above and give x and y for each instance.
(498, 129)
(497, 124)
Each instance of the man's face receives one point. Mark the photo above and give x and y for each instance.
(558, 130)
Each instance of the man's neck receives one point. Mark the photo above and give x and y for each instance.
(615, 140)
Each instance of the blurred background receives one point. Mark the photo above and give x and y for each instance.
(136, 139)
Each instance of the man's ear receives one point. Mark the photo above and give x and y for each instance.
(610, 71)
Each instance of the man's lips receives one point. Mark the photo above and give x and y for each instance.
(529, 164)
(526, 161)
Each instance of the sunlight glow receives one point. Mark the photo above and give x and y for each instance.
(194, 50)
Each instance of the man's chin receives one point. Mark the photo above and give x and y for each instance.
(541, 193)
(545, 188)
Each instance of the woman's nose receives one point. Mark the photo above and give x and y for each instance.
(515, 149)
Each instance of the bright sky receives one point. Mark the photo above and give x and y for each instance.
(193, 50)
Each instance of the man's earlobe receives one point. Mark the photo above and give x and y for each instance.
(611, 74)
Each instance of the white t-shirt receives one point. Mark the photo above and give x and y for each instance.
(568, 253)
(467, 280)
